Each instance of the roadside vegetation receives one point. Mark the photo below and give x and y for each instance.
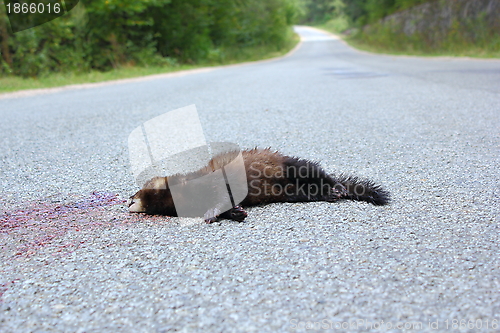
(109, 39)
(101, 40)
(417, 27)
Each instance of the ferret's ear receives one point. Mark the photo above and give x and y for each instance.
(157, 183)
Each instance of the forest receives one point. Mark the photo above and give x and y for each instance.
(101, 35)
(106, 34)
(355, 12)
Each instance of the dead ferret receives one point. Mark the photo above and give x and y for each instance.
(267, 177)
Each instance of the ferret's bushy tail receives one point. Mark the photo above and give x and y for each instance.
(363, 190)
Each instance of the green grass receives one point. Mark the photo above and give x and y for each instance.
(471, 51)
(336, 25)
(216, 58)
(456, 44)
(14, 83)
(233, 55)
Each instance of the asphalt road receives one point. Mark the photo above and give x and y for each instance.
(427, 129)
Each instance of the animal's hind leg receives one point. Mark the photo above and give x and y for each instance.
(337, 192)
(313, 183)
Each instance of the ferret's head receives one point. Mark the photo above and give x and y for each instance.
(153, 198)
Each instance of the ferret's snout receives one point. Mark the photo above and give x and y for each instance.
(135, 205)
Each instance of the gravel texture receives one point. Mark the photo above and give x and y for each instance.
(74, 260)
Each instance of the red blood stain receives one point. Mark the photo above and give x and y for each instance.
(42, 224)
(4, 287)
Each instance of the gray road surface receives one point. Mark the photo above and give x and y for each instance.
(427, 129)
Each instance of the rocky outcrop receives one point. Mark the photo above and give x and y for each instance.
(435, 20)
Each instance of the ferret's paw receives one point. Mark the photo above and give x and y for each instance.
(237, 213)
(212, 215)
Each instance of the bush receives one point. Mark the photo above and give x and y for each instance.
(106, 34)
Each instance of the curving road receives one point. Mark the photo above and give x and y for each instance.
(74, 260)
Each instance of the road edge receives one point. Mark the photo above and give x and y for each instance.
(44, 91)
(339, 37)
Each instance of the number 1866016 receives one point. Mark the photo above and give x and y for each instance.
(471, 324)
(33, 8)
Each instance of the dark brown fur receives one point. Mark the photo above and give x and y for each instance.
(270, 177)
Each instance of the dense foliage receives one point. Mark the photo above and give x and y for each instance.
(449, 27)
(104, 34)
(358, 12)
